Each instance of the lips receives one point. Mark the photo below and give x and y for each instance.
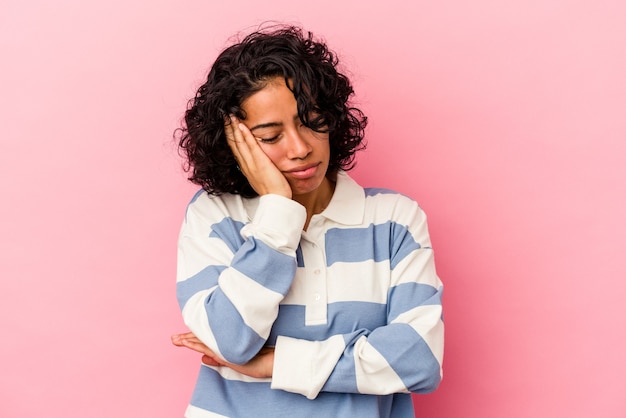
(303, 172)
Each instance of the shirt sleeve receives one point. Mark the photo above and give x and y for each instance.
(232, 274)
(404, 355)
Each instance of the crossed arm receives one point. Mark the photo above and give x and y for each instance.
(370, 359)
(265, 178)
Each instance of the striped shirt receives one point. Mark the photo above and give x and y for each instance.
(352, 305)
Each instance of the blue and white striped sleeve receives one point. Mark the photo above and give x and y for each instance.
(232, 274)
(404, 355)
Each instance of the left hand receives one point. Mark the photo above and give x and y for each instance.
(260, 366)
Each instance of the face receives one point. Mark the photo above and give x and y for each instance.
(301, 154)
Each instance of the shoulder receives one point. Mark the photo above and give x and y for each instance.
(383, 193)
(210, 208)
(384, 205)
(383, 197)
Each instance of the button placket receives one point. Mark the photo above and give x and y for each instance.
(316, 295)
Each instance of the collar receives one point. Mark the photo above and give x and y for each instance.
(347, 206)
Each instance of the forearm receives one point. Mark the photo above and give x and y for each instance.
(403, 354)
(399, 357)
(243, 272)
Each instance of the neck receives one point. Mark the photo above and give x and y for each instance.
(317, 200)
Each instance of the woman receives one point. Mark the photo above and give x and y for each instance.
(307, 294)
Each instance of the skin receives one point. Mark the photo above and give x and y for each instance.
(278, 155)
(260, 366)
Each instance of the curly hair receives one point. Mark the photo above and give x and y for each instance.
(310, 70)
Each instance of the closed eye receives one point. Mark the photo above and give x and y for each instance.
(268, 140)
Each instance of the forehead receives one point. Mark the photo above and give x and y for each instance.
(273, 101)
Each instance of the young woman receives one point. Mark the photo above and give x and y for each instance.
(307, 294)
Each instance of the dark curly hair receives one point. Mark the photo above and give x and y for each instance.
(310, 71)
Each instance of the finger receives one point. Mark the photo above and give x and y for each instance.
(232, 135)
(244, 147)
(228, 129)
(209, 361)
(192, 340)
(185, 342)
(252, 146)
(177, 338)
(246, 134)
(198, 346)
(248, 146)
(237, 135)
(239, 142)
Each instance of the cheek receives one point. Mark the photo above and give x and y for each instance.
(322, 147)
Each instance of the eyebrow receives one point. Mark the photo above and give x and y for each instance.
(266, 125)
(271, 124)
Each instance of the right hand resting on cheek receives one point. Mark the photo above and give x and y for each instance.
(262, 174)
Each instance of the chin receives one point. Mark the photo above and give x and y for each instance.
(305, 187)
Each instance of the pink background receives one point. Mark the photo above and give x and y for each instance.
(506, 120)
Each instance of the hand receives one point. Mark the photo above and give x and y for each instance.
(192, 342)
(262, 174)
(260, 366)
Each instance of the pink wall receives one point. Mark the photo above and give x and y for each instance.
(506, 120)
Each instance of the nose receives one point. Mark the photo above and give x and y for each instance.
(298, 146)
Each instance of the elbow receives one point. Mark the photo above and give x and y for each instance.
(240, 355)
(431, 385)
(221, 329)
(428, 380)
(238, 347)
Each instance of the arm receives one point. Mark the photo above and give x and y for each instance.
(232, 274)
(404, 355)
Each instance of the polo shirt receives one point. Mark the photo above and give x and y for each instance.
(352, 305)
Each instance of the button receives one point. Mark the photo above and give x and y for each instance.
(317, 297)
(316, 271)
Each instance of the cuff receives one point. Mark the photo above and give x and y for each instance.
(302, 366)
(278, 221)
